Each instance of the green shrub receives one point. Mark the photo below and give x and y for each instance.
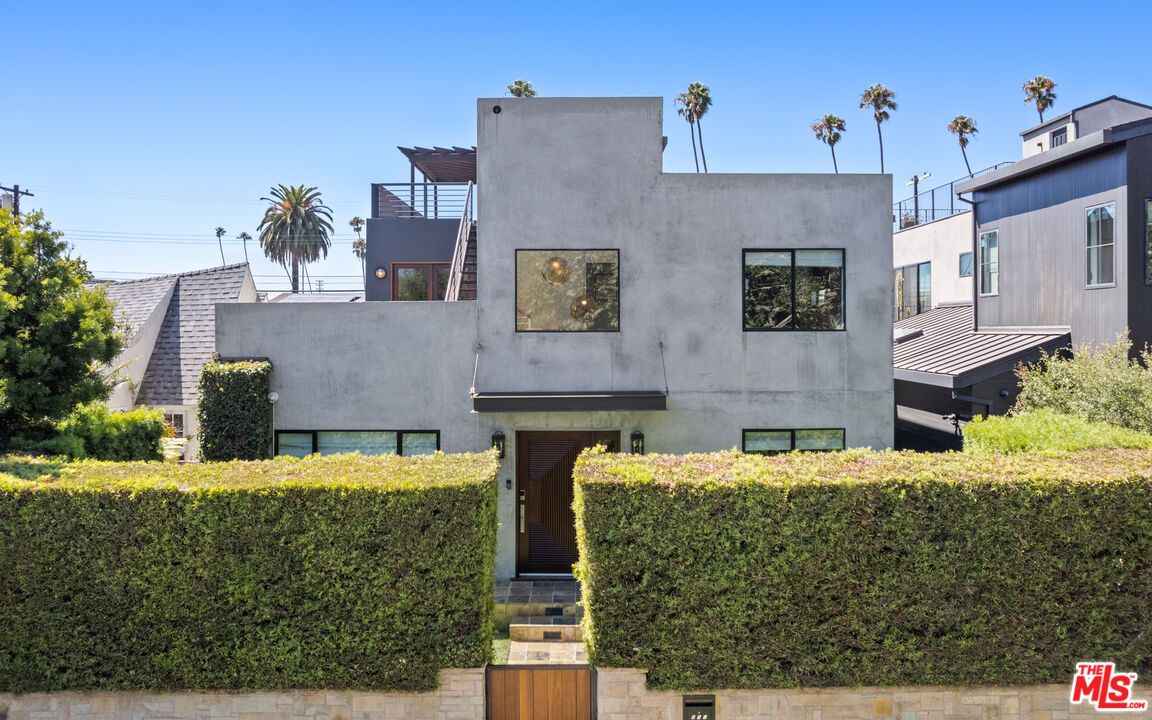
(336, 572)
(1045, 430)
(234, 413)
(1099, 384)
(856, 568)
(95, 431)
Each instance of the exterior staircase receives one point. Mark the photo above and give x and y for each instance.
(468, 275)
(548, 612)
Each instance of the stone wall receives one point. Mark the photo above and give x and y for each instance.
(621, 695)
(460, 697)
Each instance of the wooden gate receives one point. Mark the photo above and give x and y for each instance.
(540, 692)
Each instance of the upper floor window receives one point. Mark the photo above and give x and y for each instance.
(371, 442)
(913, 290)
(420, 281)
(1058, 138)
(793, 289)
(568, 290)
(989, 263)
(1148, 242)
(966, 264)
(772, 442)
(1101, 245)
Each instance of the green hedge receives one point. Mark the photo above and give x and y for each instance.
(1045, 430)
(853, 568)
(95, 431)
(233, 411)
(335, 572)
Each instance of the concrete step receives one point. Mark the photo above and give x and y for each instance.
(545, 633)
(505, 612)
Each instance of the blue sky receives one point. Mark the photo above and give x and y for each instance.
(143, 126)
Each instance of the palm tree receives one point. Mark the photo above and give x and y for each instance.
(359, 248)
(828, 130)
(881, 99)
(688, 112)
(220, 234)
(963, 126)
(1039, 90)
(701, 101)
(244, 238)
(295, 228)
(522, 89)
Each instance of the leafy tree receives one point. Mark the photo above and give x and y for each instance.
(522, 89)
(1039, 90)
(219, 239)
(244, 238)
(881, 100)
(963, 126)
(54, 333)
(295, 228)
(359, 248)
(828, 130)
(688, 112)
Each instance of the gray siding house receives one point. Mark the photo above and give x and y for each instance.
(615, 304)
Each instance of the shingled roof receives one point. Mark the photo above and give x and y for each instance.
(188, 334)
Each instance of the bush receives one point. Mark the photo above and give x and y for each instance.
(1099, 384)
(855, 568)
(1046, 430)
(334, 572)
(94, 431)
(234, 413)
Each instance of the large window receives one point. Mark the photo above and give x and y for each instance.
(300, 443)
(568, 290)
(1148, 242)
(793, 289)
(771, 442)
(420, 281)
(1101, 245)
(913, 290)
(989, 263)
(966, 264)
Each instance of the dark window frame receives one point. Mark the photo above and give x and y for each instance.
(1148, 241)
(434, 292)
(971, 265)
(744, 440)
(792, 328)
(1100, 247)
(516, 287)
(1062, 134)
(982, 291)
(315, 437)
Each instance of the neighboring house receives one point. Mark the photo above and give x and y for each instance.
(615, 304)
(171, 328)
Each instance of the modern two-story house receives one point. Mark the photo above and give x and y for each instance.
(615, 304)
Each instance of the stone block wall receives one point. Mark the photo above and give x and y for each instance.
(459, 697)
(621, 695)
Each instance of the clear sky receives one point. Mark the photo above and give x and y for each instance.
(142, 126)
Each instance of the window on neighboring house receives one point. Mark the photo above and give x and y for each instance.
(1101, 245)
(793, 289)
(1058, 138)
(771, 442)
(989, 263)
(420, 281)
(913, 290)
(300, 443)
(568, 290)
(1148, 242)
(924, 287)
(966, 264)
(176, 422)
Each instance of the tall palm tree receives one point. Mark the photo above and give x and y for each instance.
(522, 89)
(881, 100)
(963, 126)
(295, 228)
(359, 248)
(828, 130)
(688, 112)
(244, 238)
(219, 235)
(1039, 90)
(701, 101)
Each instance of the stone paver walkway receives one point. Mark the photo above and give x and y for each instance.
(513, 592)
(546, 653)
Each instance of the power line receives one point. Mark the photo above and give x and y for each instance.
(16, 193)
(175, 198)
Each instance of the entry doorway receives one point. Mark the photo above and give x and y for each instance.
(545, 523)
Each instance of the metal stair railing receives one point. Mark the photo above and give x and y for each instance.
(459, 255)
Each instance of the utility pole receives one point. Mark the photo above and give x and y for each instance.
(16, 193)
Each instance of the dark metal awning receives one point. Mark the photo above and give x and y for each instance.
(589, 401)
(454, 164)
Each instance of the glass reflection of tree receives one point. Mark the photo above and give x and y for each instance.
(818, 302)
(601, 306)
(768, 296)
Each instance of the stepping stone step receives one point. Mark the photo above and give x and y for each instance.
(539, 632)
(507, 612)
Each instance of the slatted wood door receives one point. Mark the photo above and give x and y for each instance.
(546, 525)
(540, 692)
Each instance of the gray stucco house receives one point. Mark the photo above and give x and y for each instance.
(614, 304)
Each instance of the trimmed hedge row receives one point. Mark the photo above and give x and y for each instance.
(854, 568)
(96, 431)
(1046, 430)
(233, 411)
(335, 572)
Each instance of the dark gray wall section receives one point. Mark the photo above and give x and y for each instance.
(392, 240)
(1089, 176)
(1139, 189)
(1107, 114)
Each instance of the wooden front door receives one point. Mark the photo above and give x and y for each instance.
(540, 692)
(545, 523)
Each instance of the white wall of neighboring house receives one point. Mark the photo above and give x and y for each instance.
(130, 365)
(941, 243)
(1040, 139)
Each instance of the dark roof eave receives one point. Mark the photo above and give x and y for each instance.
(590, 401)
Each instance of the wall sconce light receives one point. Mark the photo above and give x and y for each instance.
(498, 443)
(637, 442)
(381, 273)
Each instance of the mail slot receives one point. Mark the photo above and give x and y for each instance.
(699, 707)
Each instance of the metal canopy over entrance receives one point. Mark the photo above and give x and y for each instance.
(590, 401)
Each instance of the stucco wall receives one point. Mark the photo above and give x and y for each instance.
(941, 243)
(392, 240)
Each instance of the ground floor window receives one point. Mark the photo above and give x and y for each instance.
(300, 443)
(176, 422)
(771, 442)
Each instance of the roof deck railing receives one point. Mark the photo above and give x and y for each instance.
(935, 204)
(420, 200)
